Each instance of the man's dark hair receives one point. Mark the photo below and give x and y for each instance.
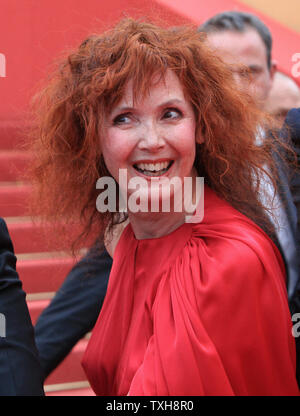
(239, 22)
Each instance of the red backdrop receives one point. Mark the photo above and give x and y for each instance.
(35, 32)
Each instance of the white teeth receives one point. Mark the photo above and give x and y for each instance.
(155, 167)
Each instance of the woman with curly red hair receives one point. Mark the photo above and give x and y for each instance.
(192, 308)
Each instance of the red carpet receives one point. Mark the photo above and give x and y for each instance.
(42, 266)
(42, 30)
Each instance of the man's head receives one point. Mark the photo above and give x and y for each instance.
(244, 42)
(284, 95)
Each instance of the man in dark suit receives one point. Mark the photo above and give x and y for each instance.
(20, 369)
(244, 42)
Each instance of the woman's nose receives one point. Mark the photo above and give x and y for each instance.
(151, 138)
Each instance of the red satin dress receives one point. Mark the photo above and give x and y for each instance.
(201, 311)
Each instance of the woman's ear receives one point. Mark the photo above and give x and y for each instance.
(199, 136)
(200, 130)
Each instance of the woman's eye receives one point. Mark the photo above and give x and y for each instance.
(121, 119)
(172, 113)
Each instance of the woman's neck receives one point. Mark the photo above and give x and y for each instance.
(148, 225)
(155, 225)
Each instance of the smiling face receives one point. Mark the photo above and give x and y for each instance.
(154, 136)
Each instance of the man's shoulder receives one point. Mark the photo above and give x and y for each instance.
(292, 121)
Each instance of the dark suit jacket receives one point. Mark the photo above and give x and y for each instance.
(288, 204)
(20, 370)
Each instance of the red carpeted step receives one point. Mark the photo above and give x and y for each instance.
(70, 370)
(11, 134)
(32, 238)
(44, 275)
(36, 307)
(13, 164)
(72, 392)
(14, 200)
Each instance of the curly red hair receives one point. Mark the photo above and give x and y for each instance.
(71, 111)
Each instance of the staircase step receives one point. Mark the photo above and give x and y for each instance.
(70, 369)
(80, 388)
(11, 134)
(14, 199)
(29, 237)
(72, 392)
(44, 275)
(13, 164)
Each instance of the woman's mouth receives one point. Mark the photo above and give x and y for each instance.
(153, 169)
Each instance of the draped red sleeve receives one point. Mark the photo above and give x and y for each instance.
(201, 311)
